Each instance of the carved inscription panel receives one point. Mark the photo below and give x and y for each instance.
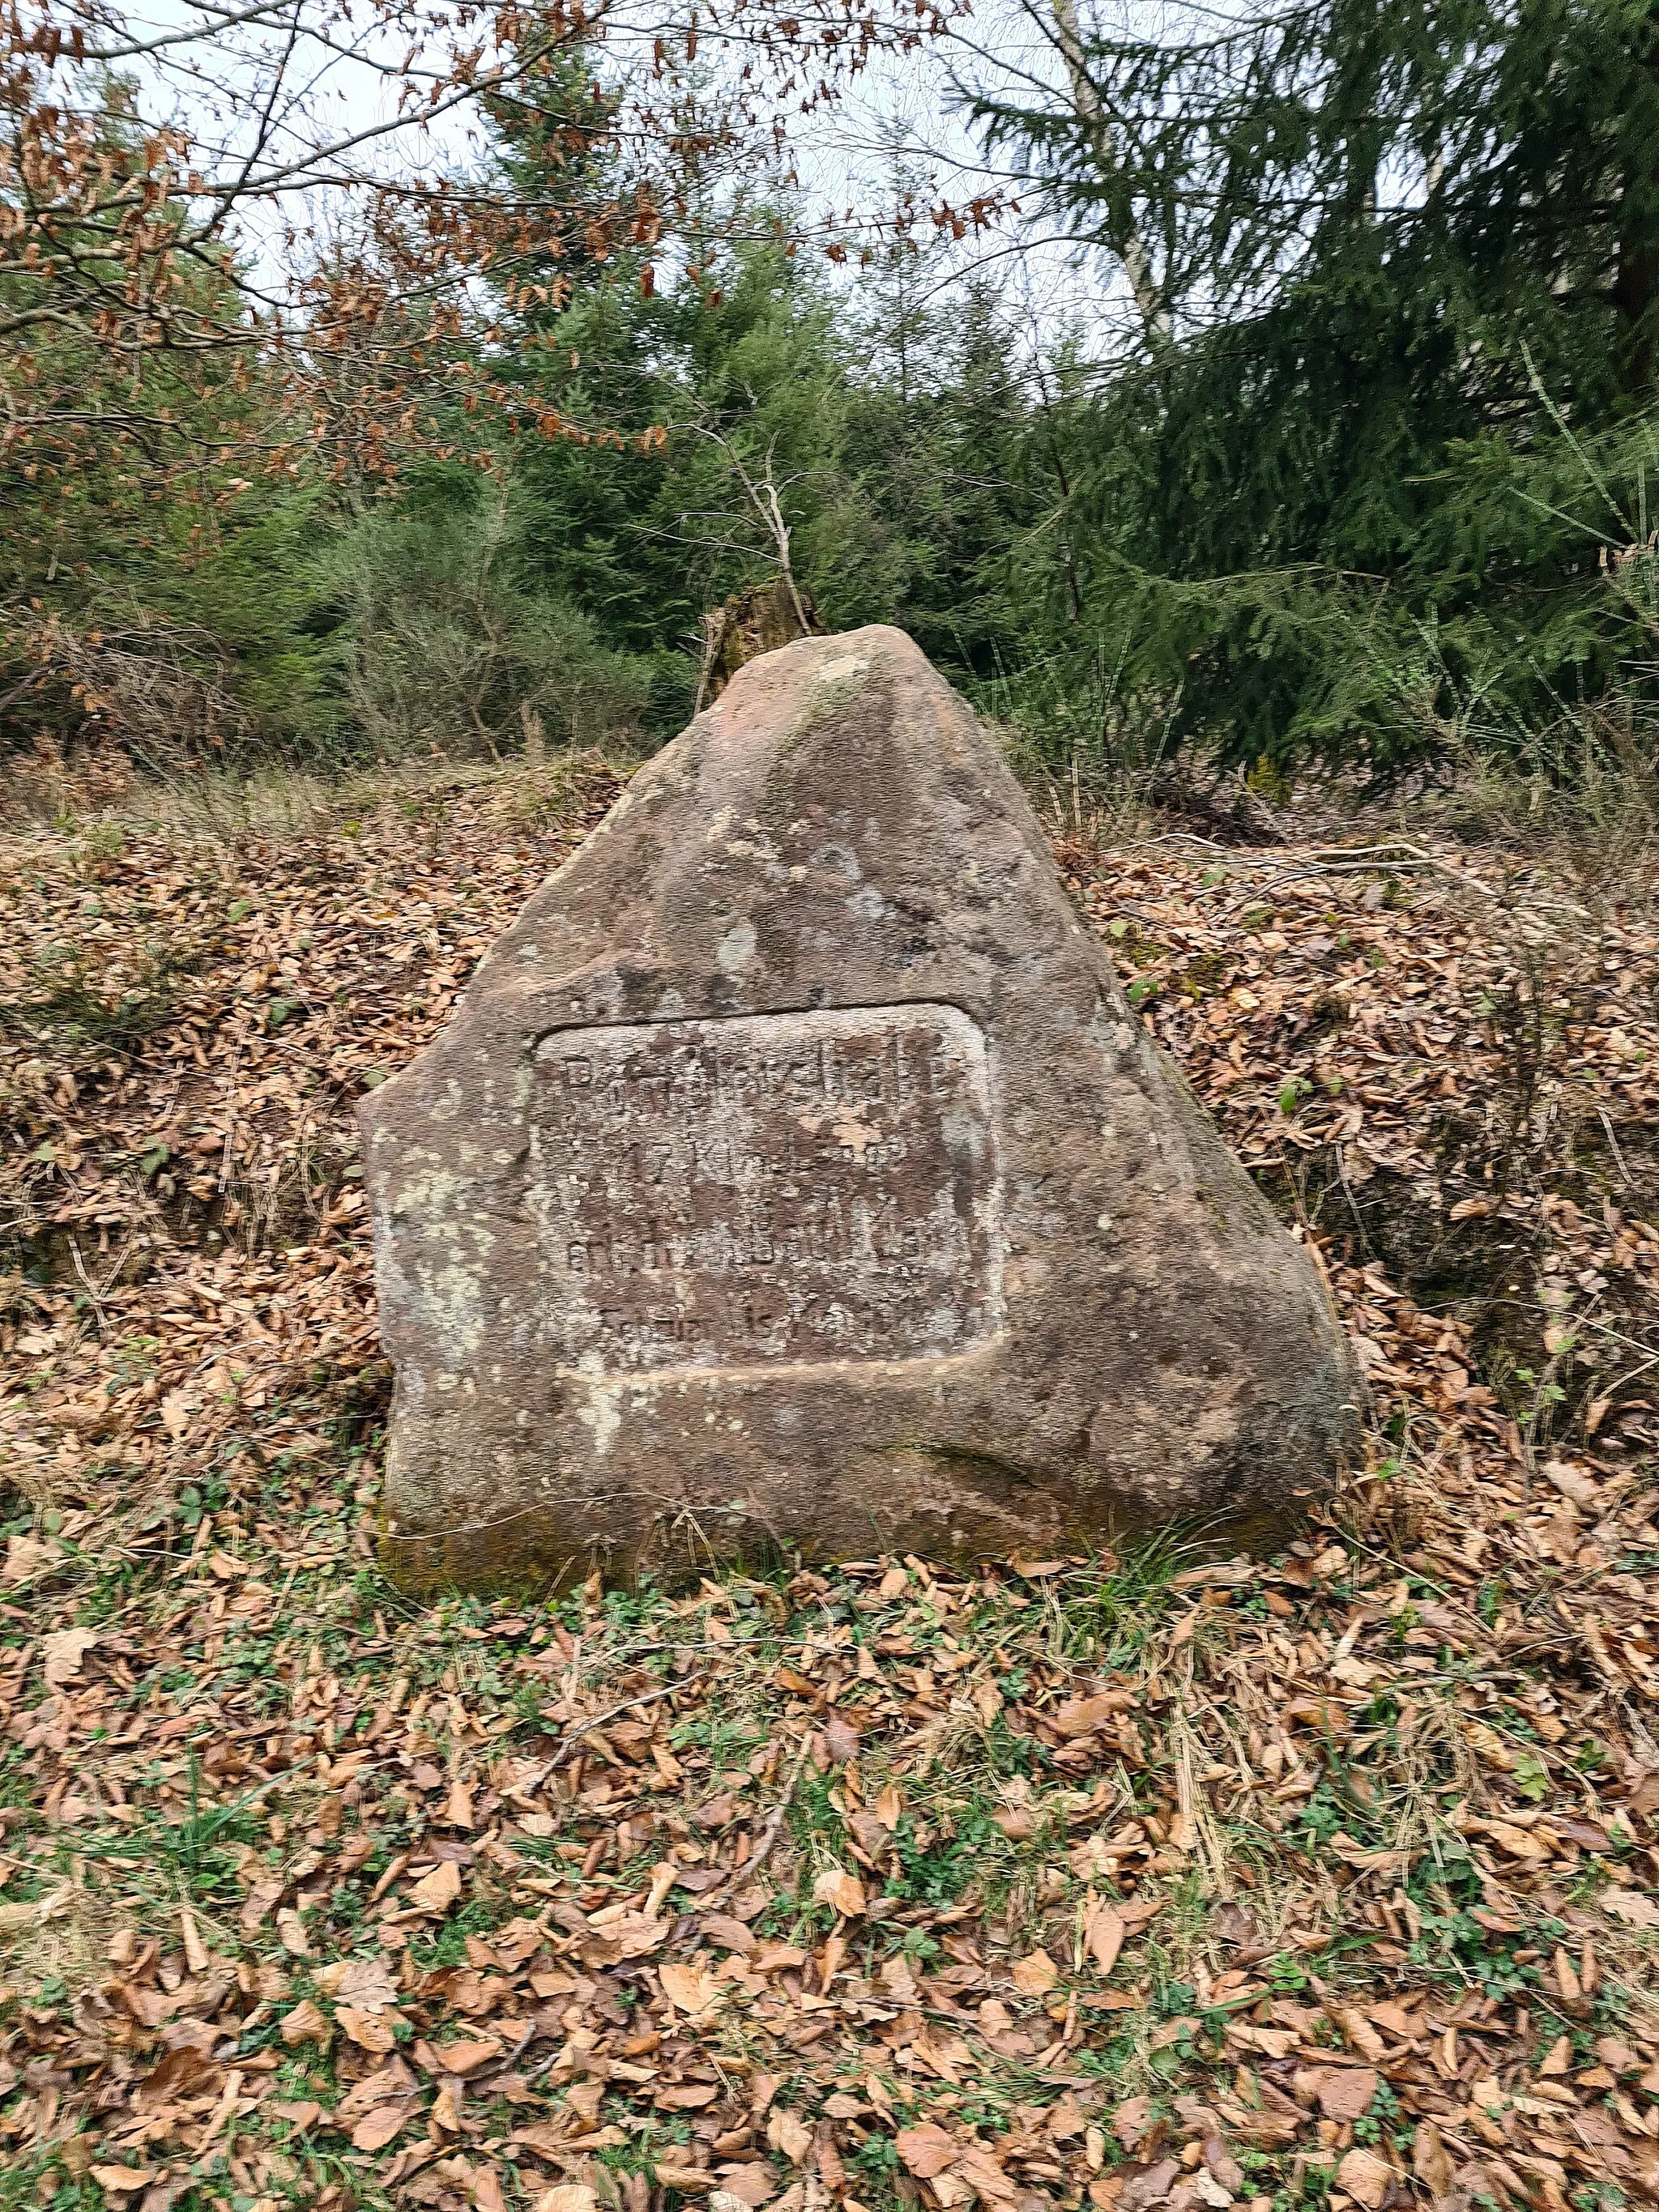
(766, 1189)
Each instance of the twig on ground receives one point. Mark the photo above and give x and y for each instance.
(574, 1737)
(769, 1834)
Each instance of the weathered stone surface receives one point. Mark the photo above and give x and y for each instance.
(793, 1174)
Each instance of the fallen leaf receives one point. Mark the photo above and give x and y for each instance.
(841, 1891)
(291, 1932)
(368, 1984)
(1065, 2117)
(1223, 2166)
(1131, 2120)
(65, 1651)
(1361, 2034)
(841, 1739)
(177, 1407)
(988, 2180)
(25, 1558)
(307, 2023)
(1634, 1906)
(1430, 2161)
(369, 2030)
(35, 1911)
(744, 2189)
(1366, 2178)
(569, 2196)
(1272, 2041)
(1149, 2187)
(1083, 1715)
(1517, 1842)
(788, 2132)
(1034, 1975)
(379, 2127)
(390, 2084)
(303, 2112)
(1344, 2092)
(462, 2058)
(691, 1988)
(1571, 1481)
(926, 2150)
(731, 1934)
(546, 2138)
(1106, 1933)
(197, 1957)
(437, 1890)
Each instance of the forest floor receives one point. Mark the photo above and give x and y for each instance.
(1164, 1880)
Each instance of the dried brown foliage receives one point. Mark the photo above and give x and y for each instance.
(1165, 1881)
(191, 223)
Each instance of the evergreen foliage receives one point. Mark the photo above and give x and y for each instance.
(1372, 485)
(1396, 250)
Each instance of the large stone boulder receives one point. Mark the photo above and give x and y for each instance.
(792, 1174)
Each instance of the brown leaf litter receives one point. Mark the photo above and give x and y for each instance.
(1170, 1881)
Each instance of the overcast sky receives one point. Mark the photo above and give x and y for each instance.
(341, 87)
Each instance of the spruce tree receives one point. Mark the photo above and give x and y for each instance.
(1398, 262)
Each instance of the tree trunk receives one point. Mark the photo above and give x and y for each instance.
(1085, 98)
